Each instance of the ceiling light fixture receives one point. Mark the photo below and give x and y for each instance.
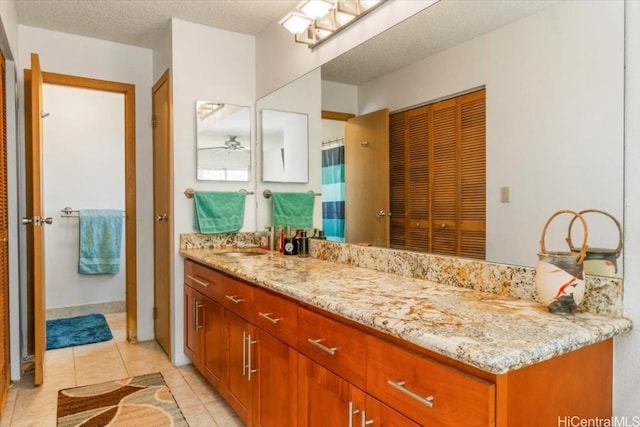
(205, 109)
(317, 20)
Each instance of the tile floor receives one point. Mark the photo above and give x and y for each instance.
(115, 359)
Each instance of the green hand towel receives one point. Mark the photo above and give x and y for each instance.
(100, 241)
(218, 211)
(293, 209)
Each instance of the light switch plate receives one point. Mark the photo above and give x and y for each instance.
(505, 194)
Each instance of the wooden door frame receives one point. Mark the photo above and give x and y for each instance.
(128, 90)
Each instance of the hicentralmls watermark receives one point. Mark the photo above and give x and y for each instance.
(617, 421)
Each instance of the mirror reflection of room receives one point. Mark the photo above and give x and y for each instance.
(224, 141)
(284, 146)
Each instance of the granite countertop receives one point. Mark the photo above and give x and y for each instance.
(494, 333)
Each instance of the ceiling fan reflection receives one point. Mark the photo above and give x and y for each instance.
(231, 144)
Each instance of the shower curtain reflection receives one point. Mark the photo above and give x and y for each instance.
(333, 190)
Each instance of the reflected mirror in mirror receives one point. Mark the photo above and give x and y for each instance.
(223, 141)
(285, 142)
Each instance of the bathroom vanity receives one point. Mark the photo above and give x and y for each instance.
(291, 341)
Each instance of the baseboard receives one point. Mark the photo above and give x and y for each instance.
(79, 310)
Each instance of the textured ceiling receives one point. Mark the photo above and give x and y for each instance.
(440, 26)
(139, 22)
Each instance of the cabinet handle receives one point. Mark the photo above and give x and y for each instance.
(268, 317)
(365, 421)
(428, 401)
(352, 412)
(244, 353)
(250, 370)
(316, 343)
(198, 281)
(233, 298)
(196, 307)
(195, 314)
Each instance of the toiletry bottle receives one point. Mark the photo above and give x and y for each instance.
(303, 244)
(281, 242)
(272, 238)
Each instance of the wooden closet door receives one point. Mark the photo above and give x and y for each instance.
(4, 248)
(473, 181)
(444, 176)
(419, 130)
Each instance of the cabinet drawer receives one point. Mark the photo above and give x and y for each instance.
(238, 297)
(275, 315)
(336, 346)
(427, 391)
(204, 280)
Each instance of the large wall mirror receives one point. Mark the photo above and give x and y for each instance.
(285, 146)
(554, 135)
(223, 141)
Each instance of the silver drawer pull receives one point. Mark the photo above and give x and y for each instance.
(234, 299)
(268, 317)
(316, 343)
(365, 422)
(198, 281)
(428, 401)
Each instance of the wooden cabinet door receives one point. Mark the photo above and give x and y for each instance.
(215, 352)
(325, 399)
(193, 336)
(240, 344)
(380, 415)
(274, 382)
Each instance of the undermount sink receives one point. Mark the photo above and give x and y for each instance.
(240, 253)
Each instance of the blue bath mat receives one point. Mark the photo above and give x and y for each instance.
(78, 330)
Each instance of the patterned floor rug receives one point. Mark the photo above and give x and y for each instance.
(139, 401)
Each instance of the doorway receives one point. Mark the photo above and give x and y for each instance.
(128, 91)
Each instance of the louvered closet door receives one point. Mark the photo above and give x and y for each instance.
(4, 248)
(397, 181)
(473, 175)
(418, 133)
(444, 204)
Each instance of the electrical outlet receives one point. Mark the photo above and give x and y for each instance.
(505, 194)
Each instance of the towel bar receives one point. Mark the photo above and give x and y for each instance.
(68, 213)
(267, 193)
(189, 192)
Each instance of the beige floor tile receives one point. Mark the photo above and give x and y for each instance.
(198, 416)
(7, 414)
(147, 366)
(185, 397)
(173, 377)
(139, 351)
(205, 392)
(223, 414)
(96, 350)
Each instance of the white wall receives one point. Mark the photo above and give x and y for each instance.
(8, 29)
(213, 65)
(81, 56)
(626, 400)
(83, 168)
(300, 96)
(339, 97)
(554, 116)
